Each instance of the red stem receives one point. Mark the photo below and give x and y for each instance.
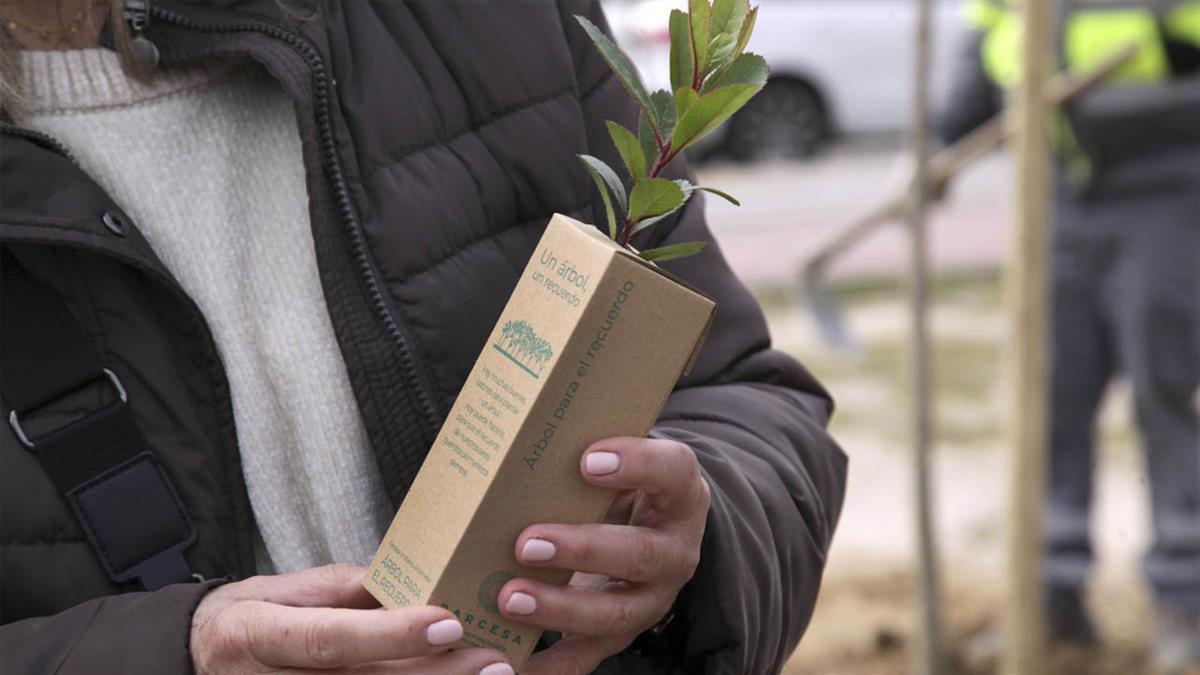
(657, 136)
(664, 158)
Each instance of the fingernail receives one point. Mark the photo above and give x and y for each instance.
(537, 550)
(444, 632)
(600, 463)
(520, 603)
(497, 669)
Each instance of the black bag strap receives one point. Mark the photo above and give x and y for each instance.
(100, 462)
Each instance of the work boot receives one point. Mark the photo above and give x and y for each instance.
(1066, 619)
(1177, 643)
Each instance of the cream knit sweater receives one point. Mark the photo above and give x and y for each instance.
(207, 161)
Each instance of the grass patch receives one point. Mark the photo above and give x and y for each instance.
(871, 384)
(983, 285)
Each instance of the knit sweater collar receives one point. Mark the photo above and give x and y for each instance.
(91, 79)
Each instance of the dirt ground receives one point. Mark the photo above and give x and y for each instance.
(864, 618)
(863, 621)
(863, 626)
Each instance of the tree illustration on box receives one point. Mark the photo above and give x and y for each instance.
(711, 78)
(520, 342)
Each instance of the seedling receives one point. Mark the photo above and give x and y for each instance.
(712, 78)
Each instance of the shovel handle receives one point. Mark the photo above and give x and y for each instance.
(951, 160)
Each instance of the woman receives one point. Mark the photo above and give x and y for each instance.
(304, 218)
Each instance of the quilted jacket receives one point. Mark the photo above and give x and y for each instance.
(438, 138)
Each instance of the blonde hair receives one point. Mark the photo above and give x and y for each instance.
(12, 98)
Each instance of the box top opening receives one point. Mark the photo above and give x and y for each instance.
(600, 238)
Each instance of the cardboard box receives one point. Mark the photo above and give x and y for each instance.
(589, 346)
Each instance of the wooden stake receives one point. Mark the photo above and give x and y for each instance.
(928, 654)
(1029, 303)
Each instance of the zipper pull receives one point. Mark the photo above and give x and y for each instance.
(143, 51)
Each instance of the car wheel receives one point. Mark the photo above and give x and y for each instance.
(786, 119)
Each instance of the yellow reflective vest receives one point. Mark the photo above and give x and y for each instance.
(1093, 30)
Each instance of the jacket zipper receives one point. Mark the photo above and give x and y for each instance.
(395, 326)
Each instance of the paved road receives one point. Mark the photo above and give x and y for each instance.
(789, 208)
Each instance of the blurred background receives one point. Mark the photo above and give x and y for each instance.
(818, 147)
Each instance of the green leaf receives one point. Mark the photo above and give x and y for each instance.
(647, 222)
(738, 48)
(723, 195)
(643, 224)
(630, 149)
(664, 111)
(600, 185)
(720, 51)
(620, 65)
(673, 251)
(728, 16)
(725, 92)
(647, 140)
(747, 29)
(688, 189)
(709, 111)
(745, 69)
(610, 179)
(653, 197)
(684, 99)
(683, 65)
(698, 13)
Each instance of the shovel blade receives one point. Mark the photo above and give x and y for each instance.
(826, 310)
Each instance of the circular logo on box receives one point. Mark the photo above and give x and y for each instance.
(490, 588)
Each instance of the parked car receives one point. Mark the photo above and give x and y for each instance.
(837, 67)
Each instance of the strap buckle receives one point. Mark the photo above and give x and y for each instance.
(14, 420)
(136, 521)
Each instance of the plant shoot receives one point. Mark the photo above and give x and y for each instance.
(711, 78)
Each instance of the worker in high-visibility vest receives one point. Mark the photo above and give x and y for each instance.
(1126, 282)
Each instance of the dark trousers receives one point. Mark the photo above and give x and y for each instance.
(1127, 299)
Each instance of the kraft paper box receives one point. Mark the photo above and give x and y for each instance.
(589, 346)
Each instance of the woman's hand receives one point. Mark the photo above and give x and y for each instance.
(627, 574)
(322, 618)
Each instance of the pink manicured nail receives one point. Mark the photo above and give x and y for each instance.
(600, 463)
(537, 550)
(521, 603)
(497, 669)
(444, 632)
